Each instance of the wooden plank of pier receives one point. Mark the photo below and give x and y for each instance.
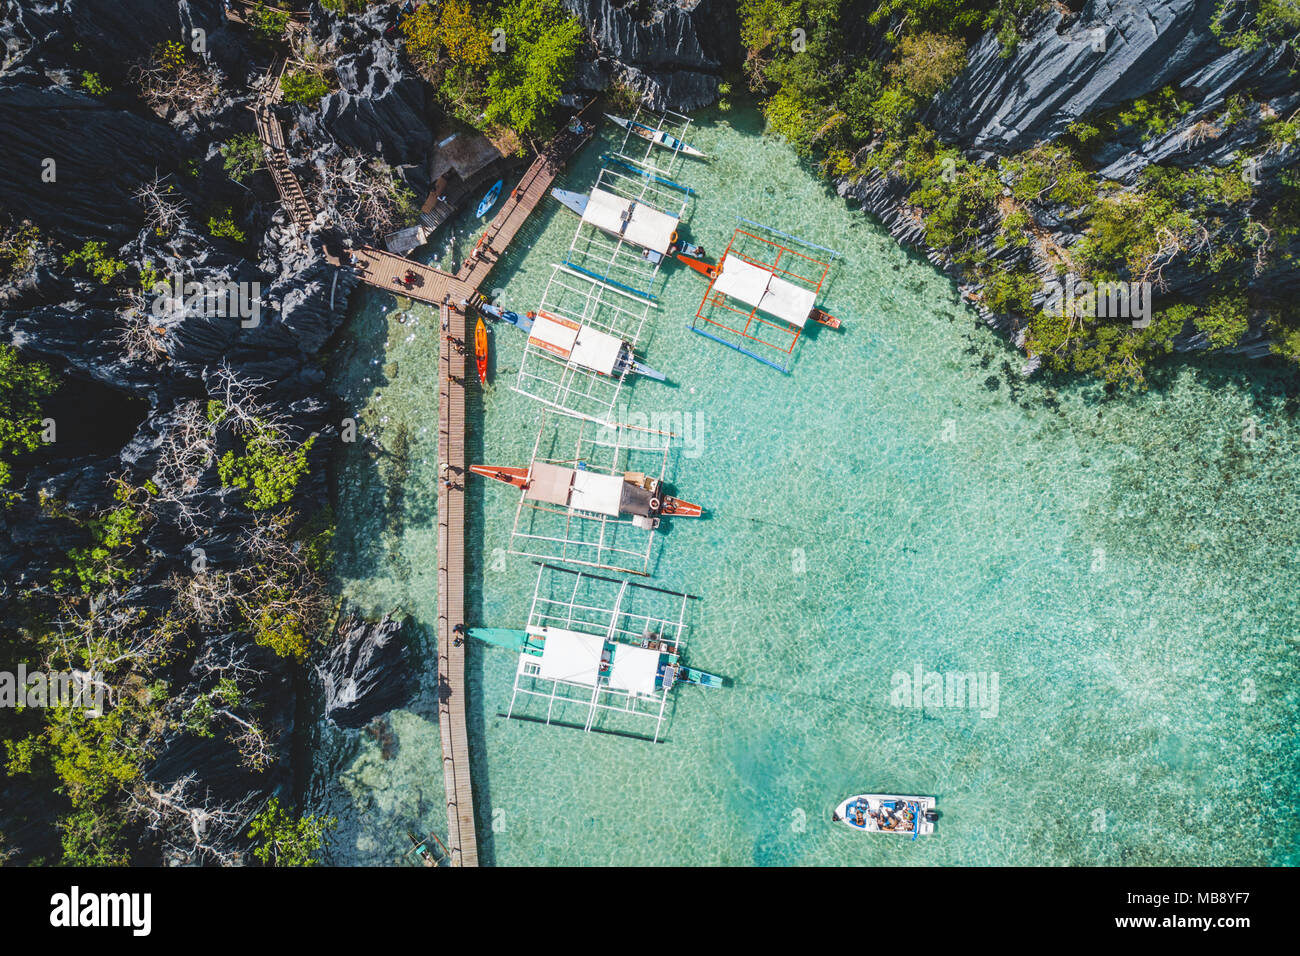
(453, 379)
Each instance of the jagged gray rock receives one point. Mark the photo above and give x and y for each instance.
(366, 672)
(675, 53)
(1072, 65)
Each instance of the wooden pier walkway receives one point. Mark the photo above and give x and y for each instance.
(271, 133)
(453, 295)
(453, 375)
(388, 271)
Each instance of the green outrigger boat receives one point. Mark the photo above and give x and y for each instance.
(670, 671)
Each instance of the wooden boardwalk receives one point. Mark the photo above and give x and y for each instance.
(453, 373)
(271, 134)
(388, 271)
(453, 295)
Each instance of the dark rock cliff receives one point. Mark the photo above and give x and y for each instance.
(674, 52)
(367, 671)
(104, 147)
(1075, 64)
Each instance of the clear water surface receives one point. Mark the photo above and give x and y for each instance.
(1125, 566)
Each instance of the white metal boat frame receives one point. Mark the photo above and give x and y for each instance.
(580, 536)
(579, 629)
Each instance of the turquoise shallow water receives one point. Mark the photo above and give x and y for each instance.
(1125, 567)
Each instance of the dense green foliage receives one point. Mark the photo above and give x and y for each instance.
(93, 256)
(1268, 21)
(303, 86)
(93, 84)
(267, 469)
(22, 386)
(101, 563)
(269, 22)
(503, 66)
(223, 226)
(284, 841)
(18, 249)
(346, 6)
(242, 155)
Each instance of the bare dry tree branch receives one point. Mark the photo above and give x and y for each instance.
(140, 339)
(170, 84)
(192, 827)
(164, 209)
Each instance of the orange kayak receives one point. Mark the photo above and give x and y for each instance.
(481, 349)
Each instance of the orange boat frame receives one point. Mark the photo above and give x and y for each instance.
(753, 322)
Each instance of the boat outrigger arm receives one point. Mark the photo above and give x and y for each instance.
(632, 494)
(582, 345)
(712, 272)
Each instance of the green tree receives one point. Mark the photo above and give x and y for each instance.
(266, 469)
(93, 836)
(222, 226)
(18, 249)
(1266, 21)
(542, 42)
(304, 86)
(22, 387)
(243, 156)
(92, 255)
(927, 62)
(270, 23)
(344, 7)
(286, 841)
(93, 84)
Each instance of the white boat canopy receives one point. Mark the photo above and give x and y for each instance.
(575, 488)
(601, 494)
(579, 344)
(634, 669)
(636, 222)
(765, 290)
(571, 656)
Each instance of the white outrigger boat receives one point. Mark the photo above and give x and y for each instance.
(575, 343)
(598, 653)
(659, 137)
(887, 813)
(642, 225)
(594, 494)
(667, 671)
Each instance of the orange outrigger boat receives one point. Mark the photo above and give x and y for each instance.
(710, 272)
(481, 350)
(634, 494)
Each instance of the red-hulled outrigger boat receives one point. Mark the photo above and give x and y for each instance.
(633, 493)
(481, 350)
(711, 271)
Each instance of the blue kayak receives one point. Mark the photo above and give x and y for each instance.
(490, 199)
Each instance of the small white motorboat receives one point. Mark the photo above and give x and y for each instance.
(887, 813)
